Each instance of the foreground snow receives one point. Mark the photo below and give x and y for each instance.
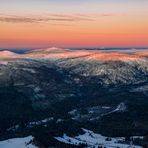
(18, 143)
(94, 140)
(89, 138)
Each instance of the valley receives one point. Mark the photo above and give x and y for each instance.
(46, 93)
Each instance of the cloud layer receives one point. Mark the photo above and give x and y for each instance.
(50, 17)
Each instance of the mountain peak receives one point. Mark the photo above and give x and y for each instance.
(7, 53)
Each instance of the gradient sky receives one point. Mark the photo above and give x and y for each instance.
(73, 23)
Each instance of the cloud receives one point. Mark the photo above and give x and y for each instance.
(54, 18)
(48, 18)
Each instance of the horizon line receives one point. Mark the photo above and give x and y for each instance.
(31, 48)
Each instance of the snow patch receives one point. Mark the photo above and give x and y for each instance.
(31, 124)
(29, 70)
(59, 120)
(4, 63)
(18, 143)
(120, 108)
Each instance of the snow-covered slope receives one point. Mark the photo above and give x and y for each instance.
(18, 143)
(5, 57)
(83, 54)
(90, 139)
(142, 53)
(6, 53)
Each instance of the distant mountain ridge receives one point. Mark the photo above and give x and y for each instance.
(84, 54)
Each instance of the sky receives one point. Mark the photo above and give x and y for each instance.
(73, 23)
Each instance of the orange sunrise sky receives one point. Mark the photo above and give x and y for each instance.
(69, 23)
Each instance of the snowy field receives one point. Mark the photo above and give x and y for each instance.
(95, 140)
(18, 143)
(89, 138)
